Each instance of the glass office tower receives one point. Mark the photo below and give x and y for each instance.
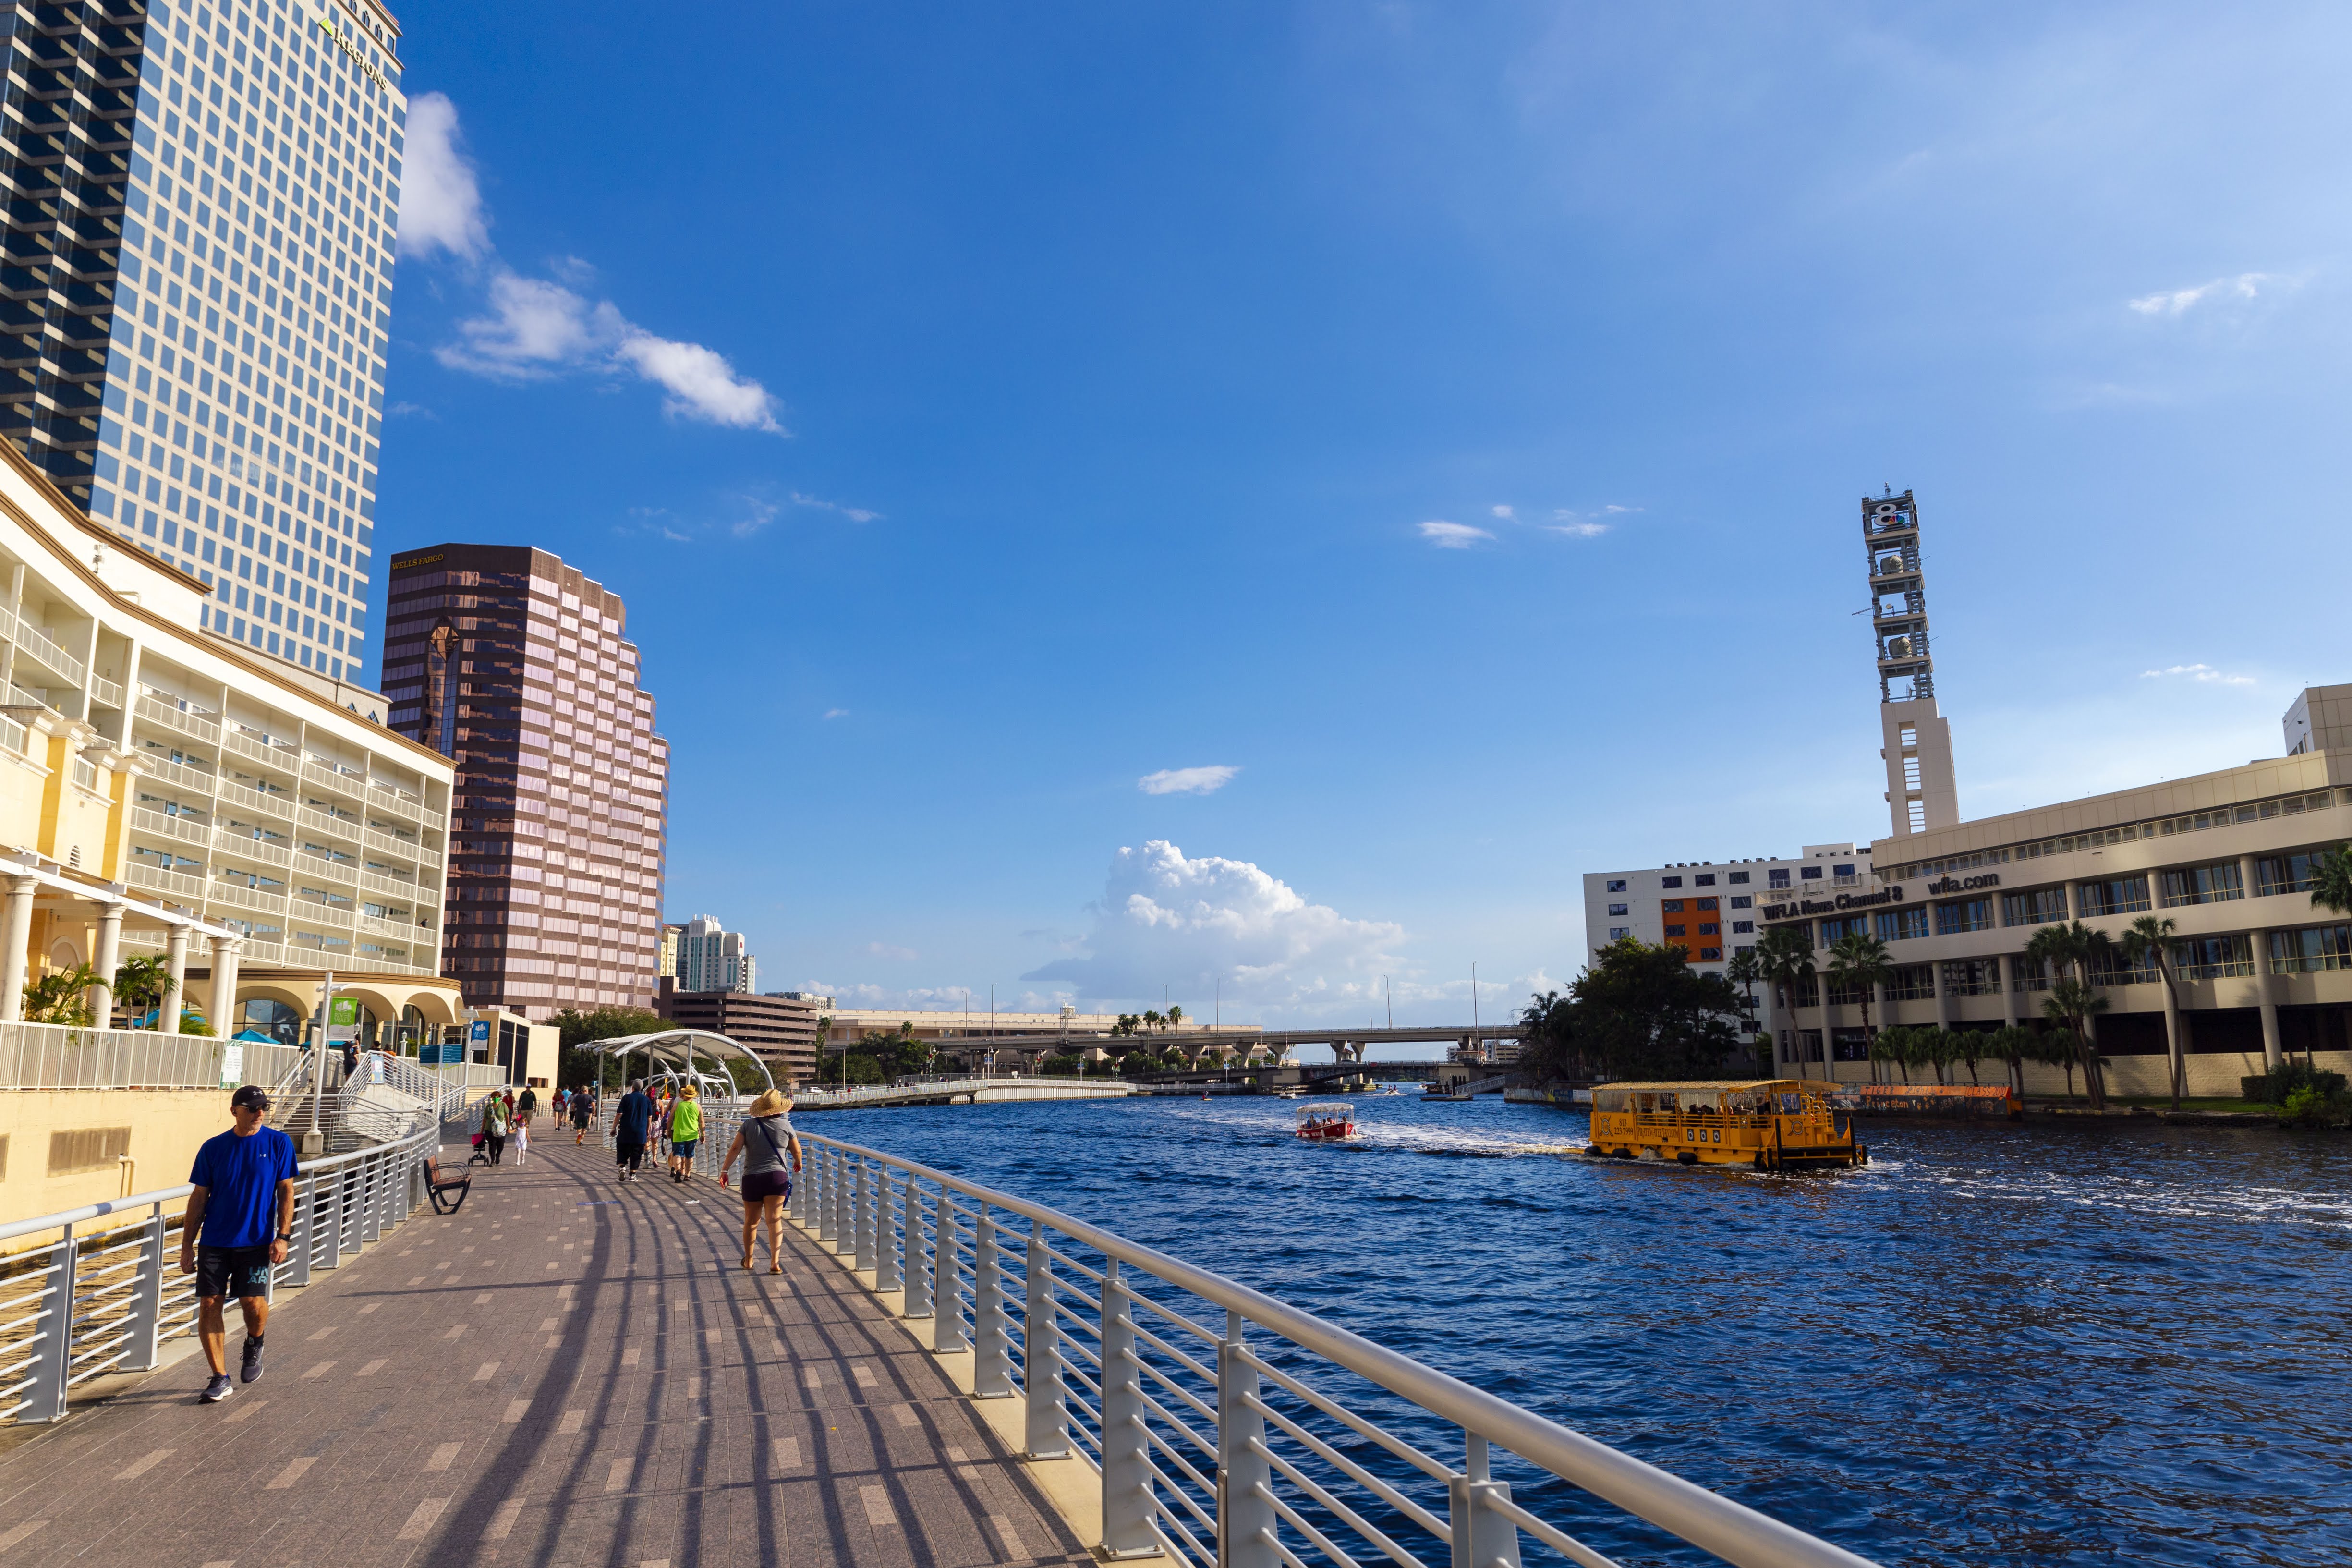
(193, 296)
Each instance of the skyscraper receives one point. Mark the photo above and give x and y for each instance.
(710, 959)
(1920, 791)
(514, 664)
(193, 298)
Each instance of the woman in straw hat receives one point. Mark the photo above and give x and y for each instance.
(772, 1155)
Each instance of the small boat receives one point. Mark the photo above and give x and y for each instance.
(1768, 1124)
(1326, 1120)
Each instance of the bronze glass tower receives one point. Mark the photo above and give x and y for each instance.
(514, 665)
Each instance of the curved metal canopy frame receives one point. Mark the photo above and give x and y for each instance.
(677, 1049)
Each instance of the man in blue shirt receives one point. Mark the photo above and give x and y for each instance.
(632, 1121)
(240, 1219)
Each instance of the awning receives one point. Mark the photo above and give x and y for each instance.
(679, 1048)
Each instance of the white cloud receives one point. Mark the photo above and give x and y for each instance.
(836, 713)
(865, 997)
(884, 950)
(1187, 781)
(2244, 286)
(2200, 673)
(761, 514)
(440, 201)
(1194, 925)
(700, 383)
(1580, 529)
(1505, 514)
(1453, 535)
(538, 329)
(854, 513)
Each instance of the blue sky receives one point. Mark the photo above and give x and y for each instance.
(1428, 435)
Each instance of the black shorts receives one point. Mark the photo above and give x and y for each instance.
(239, 1271)
(760, 1186)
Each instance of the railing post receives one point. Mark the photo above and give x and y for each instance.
(1127, 1524)
(1481, 1536)
(306, 1219)
(826, 1228)
(863, 1200)
(888, 1272)
(918, 1303)
(799, 1202)
(371, 1194)
(336, 1183)
(53, 1356)
(1045, 1432)
(947, 1299)
(1247, 1520)
(991, 1334)
(145, 1319)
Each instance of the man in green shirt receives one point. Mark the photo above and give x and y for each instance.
(685, 1132)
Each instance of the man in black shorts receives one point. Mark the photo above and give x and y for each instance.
(240, 1218)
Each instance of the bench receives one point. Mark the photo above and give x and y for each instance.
(438, 1187)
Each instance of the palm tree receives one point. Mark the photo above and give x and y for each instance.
(1744, 972)
(1175, 1017)
(144, 982)
(2331, 880)
(2015, 1044)
(2074, 945)
(2149, 940)
(1968, 1046)
(1893, 1044)
(61, 998)
(1929, 1048)
(1784, 958)
(1862, 959)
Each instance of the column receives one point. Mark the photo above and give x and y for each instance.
(1943, 1002)
(223, 1010)
(167, 1018)
(16, 936)
(2008, 990)
(110, 948)
(2260, 940)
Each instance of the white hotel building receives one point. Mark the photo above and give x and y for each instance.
(192, 302)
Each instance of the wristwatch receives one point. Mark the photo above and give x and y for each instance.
(286, 1235)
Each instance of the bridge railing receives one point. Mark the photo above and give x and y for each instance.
(1228, 1429)
(98, 1290)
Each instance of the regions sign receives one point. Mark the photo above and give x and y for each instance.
(1843, 901)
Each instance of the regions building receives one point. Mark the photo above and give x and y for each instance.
(199, 236)
(165, 791)
(515, 666)
(705, 958)
(781, 1028)
(2227, 859)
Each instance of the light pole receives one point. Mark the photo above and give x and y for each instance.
(314, 1142)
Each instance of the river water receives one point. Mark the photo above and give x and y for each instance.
(2006, 1343)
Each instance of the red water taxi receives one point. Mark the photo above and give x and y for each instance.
(1326, 1120)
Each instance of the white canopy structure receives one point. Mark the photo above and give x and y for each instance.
(671, 1053)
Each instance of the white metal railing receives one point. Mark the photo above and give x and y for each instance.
(1229, 1429)
(183, 828)
(139, 874)
(14, 736)
(32, 639)
(58, 1055)
(187, 724)
(107, 692)
(99, 1290)
(193, 779)
(234, 794)
(229, 841)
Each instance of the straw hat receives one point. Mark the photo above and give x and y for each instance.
(770, 1102)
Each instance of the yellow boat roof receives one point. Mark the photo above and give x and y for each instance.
(1726, 1083)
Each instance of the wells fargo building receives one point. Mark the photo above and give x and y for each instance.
(513, 663)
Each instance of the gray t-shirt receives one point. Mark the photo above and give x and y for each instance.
(767, 1144)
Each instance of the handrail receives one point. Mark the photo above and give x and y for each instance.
(108, 1297)
(847, 1196)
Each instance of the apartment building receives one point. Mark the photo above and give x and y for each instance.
(780, 1028)
(515, 667)
(165, 789)
(711, 959)
(2257, 971)
(200, 237)
(1709, 909)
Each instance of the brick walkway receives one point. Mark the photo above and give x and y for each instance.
(568, 1371)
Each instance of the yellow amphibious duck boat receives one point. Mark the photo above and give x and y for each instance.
(1768, 1124)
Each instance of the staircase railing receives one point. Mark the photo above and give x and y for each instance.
(431, 1097)
(1229, 1429)
(99, 1290)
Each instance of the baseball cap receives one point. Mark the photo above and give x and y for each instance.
(252, 1095)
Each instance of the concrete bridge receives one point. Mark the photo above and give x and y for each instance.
(1347, 1043)
(960, 1091)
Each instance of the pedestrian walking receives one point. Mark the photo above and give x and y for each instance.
(583, 1114)
(239, 1220)
(522, 1134)
(765, 1141)
(633, 1123)
(497, 1121)
(685, 1132)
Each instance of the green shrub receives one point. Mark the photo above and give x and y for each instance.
(2305, 1105)
(2276, 1086)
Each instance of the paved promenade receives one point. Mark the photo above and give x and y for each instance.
(567, 1371)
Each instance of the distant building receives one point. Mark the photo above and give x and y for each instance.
(782, 1029)
(514, 664)
(710, 959)
(1921, 795)
(667, 967)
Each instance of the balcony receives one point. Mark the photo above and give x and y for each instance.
(187, 724)
(259, 851)
(179, 884)
(107, 692)
(179, 827)
(233, 794)
(191, 779)
(260, 749)
(31, 640)
(243, 898)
